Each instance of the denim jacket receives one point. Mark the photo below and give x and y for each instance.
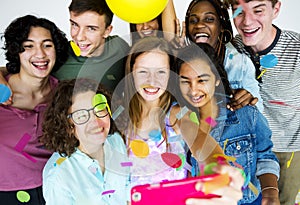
(249, 141)
(241, 73)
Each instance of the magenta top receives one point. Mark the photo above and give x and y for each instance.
(22, 157)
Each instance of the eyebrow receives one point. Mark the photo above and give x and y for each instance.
(45, 40)
(199, 76)
(210, 12)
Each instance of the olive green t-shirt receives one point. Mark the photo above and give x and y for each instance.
(108, 68)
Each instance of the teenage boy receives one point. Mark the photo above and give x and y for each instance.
(279, 85)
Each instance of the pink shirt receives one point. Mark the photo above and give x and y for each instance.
(22, 157)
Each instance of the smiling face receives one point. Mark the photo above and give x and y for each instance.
(95, 130)
(39, 56)
(254, 24)
(204, 24)
(151, 74)
(148, 29)
(89, 31)
(197, 82)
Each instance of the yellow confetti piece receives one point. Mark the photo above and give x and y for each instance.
(263, 71)
(60, 160)
(75, 48)
(139, 148)
(288, 164)
(253, 188)
(194, 118)
(23, 196)
(228, 158)
(225, 143)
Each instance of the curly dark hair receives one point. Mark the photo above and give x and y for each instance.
(222, 11)
(57, 128)
(98, 6)
(206, 53)
(17, 32)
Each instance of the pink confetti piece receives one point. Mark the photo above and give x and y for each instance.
(283, 104)
(108, 192)
(22, 144)
(211, 121)
(126, 164)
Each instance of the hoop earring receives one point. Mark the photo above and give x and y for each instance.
(225, 36)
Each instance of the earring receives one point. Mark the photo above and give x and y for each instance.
(225, 36)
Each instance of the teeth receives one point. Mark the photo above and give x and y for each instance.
(40, 63)
(198, 35)
(97, 130)
(151, 90)
(147, 32)
(250, 30)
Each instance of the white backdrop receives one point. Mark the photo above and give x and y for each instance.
(57, 11)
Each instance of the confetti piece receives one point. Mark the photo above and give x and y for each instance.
(108, 192)
(261, 74)
(155, 135)
(21, 145)
(139, 148)
(183, 161)
(96, 172)
(75, 48)
(188, 167)
(182, 112)
(269, 61)
(98, 99)
(116, 114)
(194, 118)
(211, 121)
(60, 160)
(126, 164)
(230, 56)
(174, 138)
(208, 169)
(171, 159)
(283, 104)
(23, 196)
(253, 188)
(216, 183)
(5, 93)
(225, 144)
(288, 164)
(228, 158)
(237, 12)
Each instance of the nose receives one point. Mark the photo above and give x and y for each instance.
(80, 35)
(200, 24)
(145, 25)
(40, 52)
(193, 88)
(247, 18)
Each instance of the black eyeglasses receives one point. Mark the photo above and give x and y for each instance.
(81, 116)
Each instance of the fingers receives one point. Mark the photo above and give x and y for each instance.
(229, 195)
(241, 98)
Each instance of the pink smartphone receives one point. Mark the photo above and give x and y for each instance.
(170, 192)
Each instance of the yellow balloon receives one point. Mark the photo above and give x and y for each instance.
(137, 11)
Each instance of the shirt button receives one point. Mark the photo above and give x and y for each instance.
(238, 147)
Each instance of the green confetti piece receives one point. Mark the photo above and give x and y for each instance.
(23, 196)
(208, 169)
(194, 118)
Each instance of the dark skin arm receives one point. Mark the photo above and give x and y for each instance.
(270, 195)
(241, 98)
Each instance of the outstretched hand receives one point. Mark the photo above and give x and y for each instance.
(229, 195)
(179, 38)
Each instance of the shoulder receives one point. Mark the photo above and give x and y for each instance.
(117, 40)
(115, 141)
(291, 35)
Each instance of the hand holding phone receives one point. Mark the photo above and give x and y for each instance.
(178, 191)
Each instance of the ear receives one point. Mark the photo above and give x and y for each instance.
(218, 83)
(276, 9)
(107, 31)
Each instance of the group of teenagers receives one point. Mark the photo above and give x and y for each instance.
(85, 127)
